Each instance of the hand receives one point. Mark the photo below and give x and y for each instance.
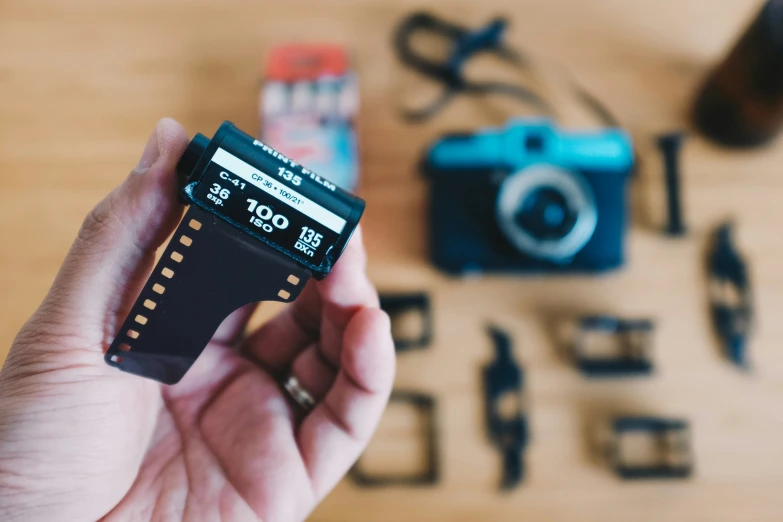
(80, 440)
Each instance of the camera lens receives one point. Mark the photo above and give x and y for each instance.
(547, 212)
(544, 214)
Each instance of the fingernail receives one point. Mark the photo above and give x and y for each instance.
(151, 152)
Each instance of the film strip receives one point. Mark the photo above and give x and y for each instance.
(209, 269)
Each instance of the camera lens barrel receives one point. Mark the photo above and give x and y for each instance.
(579, 202)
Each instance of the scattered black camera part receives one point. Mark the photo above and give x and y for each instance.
(398, 304)
(670, 145)
(730, 294)
(671, 442)
(506, 421)
(427, 407)
(634, 341)
(258, 227)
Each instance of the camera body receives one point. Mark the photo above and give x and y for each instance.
(529, 198)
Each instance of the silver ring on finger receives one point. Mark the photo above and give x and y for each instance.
(302, 397)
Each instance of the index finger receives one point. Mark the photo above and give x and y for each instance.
(346, 291)
(320, 314)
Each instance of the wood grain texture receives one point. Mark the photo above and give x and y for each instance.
(83, 82)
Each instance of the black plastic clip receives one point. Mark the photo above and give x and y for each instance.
(668, 455)
(730, 295)
(632, 339)
(426, 406)
(397, 305)
(505, 417)
(670, 145)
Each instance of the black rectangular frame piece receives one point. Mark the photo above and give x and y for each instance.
(634, 337)
(674, 441)
(426, 406)
(396, 304)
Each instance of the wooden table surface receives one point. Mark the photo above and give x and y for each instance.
(82, 83)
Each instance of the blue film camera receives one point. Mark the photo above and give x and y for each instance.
(529, 198)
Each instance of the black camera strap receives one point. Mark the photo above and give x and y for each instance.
(466, 43)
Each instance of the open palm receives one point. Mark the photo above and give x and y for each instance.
(80, 440)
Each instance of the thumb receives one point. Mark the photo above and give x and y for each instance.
(114, 251)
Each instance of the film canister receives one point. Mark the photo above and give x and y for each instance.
(258, 226)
